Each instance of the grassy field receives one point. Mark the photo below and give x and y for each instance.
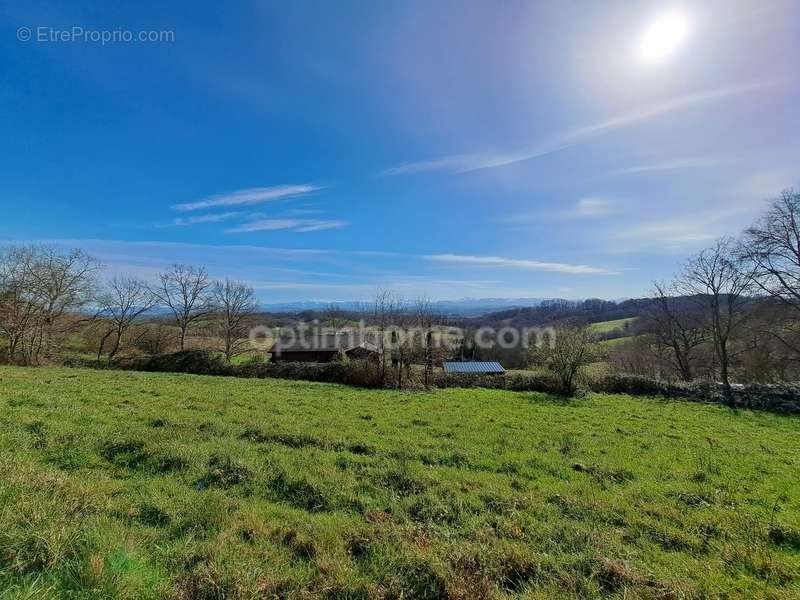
(132, 485)
(609, 326)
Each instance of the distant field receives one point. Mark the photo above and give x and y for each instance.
(607, 326)
(133, 485)
(608, 344)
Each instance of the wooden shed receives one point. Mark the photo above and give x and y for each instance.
(322, 348)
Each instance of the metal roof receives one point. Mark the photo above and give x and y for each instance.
(474, 367)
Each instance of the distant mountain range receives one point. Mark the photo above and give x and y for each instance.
(464, 307)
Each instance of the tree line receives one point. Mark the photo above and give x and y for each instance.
(730, 314)
(47, 297)
(732, 309)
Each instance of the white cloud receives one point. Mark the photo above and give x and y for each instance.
(462, 163)
(249, 196)
(697, 162)
(298, 225)
(455, 163)
(314, 225)
(676, 235)
(266, 225)
(512, 263)
(212, 218)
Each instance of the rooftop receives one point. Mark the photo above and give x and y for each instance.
(324, 343)
(488, 367)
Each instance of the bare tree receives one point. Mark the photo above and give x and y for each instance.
(384, 310)
(426, 319)
(678, 329)
(719, 280)
(566, 354)
(43, 291)
(402, 339)
(63, 284)
(18, 311)
(183, 289)
(121, 303)
(772, 247)
(234, 303)
(154, 338)
(635, 357)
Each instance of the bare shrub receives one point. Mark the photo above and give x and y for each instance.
(566, 355)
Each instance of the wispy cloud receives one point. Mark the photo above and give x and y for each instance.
(699, 226)
(456, 163)
(314, 225)
(673, 236)
(167, 250)
(513, 263)
(249, 196)
(463, 163)
(298, 225)
(211, 218)
(697, 162)
(591, 207)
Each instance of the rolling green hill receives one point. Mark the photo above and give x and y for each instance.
(609, 326)
(133, 485)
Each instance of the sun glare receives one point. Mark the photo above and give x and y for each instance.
(663, 37)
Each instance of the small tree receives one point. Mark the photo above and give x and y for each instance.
(120, 304)
(678, 329)
(18, 310)
(426, 319)
(235, 302)
(184, 291)
(384, 312)
(566, 354)
(720, 281)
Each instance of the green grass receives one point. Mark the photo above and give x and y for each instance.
(133, 485)
(615, 342)
(609, 326)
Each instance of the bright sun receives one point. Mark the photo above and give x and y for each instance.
(663, 37)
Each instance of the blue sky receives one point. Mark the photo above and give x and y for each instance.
(319, 150)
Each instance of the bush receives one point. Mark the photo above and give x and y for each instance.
(198, 362)
(254, 359)
(783, 398)
(361, 373)
(517, 383)
(639, 385)
(325, 372)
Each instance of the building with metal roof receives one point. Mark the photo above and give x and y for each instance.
(323, 348)
(474, 368)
